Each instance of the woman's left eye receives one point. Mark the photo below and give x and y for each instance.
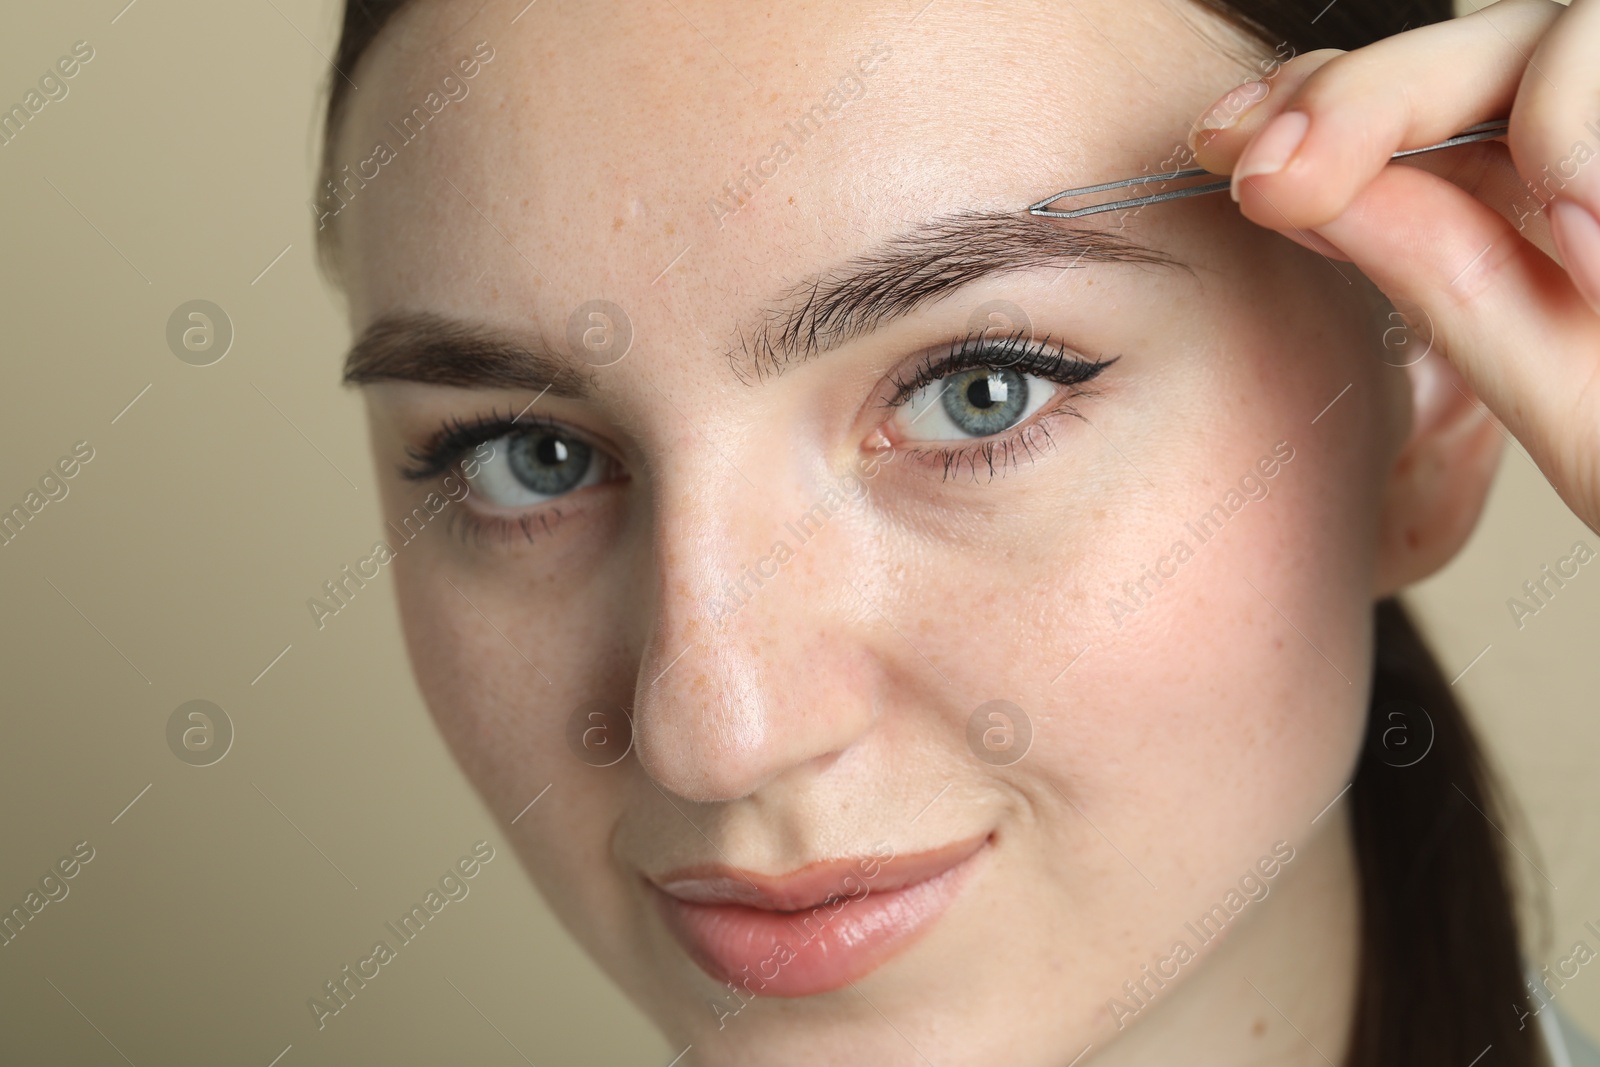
(970, 404)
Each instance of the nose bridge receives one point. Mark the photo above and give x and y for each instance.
(735, 685)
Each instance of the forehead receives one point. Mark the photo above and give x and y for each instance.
(720, 151)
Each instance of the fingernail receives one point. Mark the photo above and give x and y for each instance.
(1230, 108)
(1271, 149)
(1577, 236)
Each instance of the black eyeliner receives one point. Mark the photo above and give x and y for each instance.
(1056, 363)
(456, 437)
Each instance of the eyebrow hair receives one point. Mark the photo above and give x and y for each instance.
(807, 319)
(431, 348)
(912, 269)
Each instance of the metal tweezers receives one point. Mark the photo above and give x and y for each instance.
(1482, 132)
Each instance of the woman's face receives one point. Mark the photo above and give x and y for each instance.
(812, 520)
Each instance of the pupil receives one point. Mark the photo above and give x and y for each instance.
(551, 451)
(978, 393)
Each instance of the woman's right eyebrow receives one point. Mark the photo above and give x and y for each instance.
(806, 319)
(438, 350)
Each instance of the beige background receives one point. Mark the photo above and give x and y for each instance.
(181, 163)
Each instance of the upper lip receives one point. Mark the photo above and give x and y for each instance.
(815, 883)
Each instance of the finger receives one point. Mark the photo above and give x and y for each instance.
(1485, 171)
(1342, 125)
(1502, 312)
(1223, 130)
(1555, 133)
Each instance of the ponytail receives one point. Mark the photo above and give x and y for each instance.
(1440, 972)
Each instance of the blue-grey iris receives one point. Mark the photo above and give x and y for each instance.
(547, 464)
(986, 401)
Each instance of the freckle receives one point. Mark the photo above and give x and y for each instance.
(791, 200)
(616, 224)
(1259, 1028)
(671, 229)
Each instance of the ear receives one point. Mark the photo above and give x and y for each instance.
(1439, 481)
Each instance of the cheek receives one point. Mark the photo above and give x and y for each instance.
(499, 672)
(1198, 703)
(508, 731)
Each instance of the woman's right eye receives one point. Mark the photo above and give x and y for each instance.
(536, 466)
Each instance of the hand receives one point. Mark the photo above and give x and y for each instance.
(1461, 234)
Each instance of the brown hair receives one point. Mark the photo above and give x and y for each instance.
(1440, 973)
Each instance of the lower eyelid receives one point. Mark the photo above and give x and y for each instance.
(514, 526)
(475, 527)
(997, 453)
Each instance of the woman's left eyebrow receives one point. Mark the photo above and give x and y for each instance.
(909, 270)
(805, 320)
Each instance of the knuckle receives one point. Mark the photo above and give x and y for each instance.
(1295, 74)
(1479, 275)
(1550, 151)
(1362, 79)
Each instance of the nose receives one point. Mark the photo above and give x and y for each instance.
(755, 667)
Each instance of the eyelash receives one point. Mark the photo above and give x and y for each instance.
(452, 443)
(1056, 363)
(457, 437)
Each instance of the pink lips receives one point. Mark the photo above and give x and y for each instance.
(815, 929)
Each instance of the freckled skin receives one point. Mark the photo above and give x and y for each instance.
(1171, 748)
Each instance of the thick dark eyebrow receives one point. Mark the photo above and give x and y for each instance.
(430, 348)
(805, 320)
(912, 269)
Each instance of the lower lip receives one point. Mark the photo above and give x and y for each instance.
(816, 950)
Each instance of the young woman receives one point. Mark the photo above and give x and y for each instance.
(934, 633)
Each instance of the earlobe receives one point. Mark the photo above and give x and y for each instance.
(1439, 481)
